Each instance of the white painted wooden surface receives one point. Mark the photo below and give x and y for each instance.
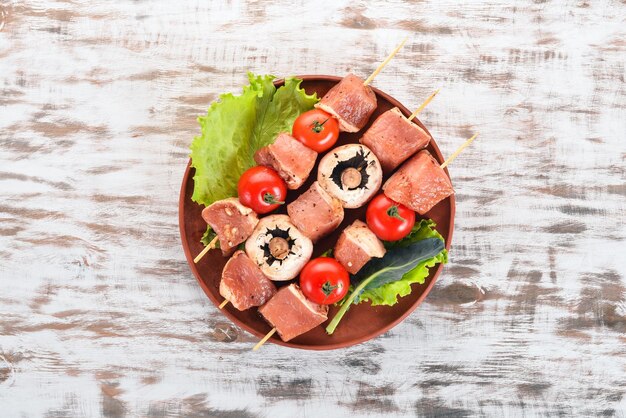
(100, 315)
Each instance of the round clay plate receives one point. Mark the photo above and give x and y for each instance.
(362, 322)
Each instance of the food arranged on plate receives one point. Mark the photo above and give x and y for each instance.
(351, 102)
(244, 284)
(351, 174)
(356, 246)
(279, 248)
(290, 158)
(232, 222)
(394, 138)
(315, 212)
(291, 313)
(419, 183)
(258, 148)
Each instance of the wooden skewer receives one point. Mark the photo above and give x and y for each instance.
(458, 151)
(423, 105)
(385, 62)
(223, 304)
(206, 250)
(267, 337)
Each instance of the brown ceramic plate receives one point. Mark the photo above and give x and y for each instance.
(362, 322)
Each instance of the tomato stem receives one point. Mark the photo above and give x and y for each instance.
(393, 212)
(318, 127)
(270, 199)
(328, 288)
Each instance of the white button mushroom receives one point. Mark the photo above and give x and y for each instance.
(351, 173)
(278, 248)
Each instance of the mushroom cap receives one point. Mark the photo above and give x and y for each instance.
(288, 262)
(350, 173)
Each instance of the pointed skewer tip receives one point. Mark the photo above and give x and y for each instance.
(424, 104)
(385, 62)
(458, 151)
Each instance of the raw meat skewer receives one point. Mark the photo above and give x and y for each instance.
(291, 314)
(243, 284)
(393, 138)
(421, 182)
(352, 101)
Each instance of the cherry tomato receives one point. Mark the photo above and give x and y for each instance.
(324, 281)
(261, 189)
(390, 221)
(316, 129)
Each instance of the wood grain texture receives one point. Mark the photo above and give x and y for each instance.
(100, 315)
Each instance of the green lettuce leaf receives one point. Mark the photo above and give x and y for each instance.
(235, 127)
(423, 229)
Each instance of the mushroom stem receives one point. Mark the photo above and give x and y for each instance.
(351, 178)
(279, 248)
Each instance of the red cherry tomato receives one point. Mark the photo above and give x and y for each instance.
(390, 221)
(316, 129)
(261, 189)
(324, 281)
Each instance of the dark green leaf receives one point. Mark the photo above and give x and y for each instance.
(396, 263)
(382, 280)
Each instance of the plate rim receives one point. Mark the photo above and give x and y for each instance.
(332, 346)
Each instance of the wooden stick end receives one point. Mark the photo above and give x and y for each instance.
(264, 339)
(205, 250)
